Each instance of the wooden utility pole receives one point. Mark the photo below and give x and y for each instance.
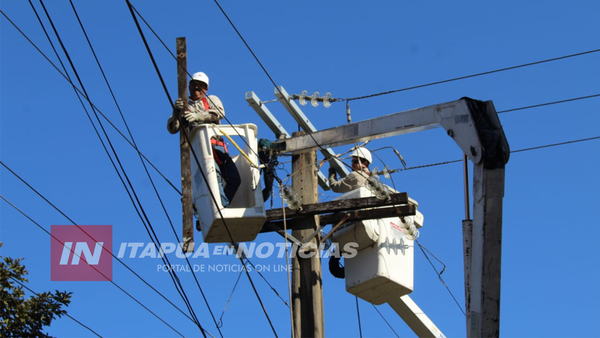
(186, 179)
(307, 282)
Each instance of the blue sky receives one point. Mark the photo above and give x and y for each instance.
(549, 275)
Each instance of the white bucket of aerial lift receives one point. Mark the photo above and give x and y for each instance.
(383, 267)
(245, 215)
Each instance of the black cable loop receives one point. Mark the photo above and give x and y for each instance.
(439, 274)
(220, 324)
(112, 282)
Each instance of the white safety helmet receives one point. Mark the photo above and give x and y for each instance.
(200, 76)
(363, 153)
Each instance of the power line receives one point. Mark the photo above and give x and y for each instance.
(358, 318)
(86, 98)
(185, 133)
(175, 58)
(32, 188)
(556, 144)
(112, 282)
(246, 44)
(382, 317)
(512, 151)
(230, 296)
(85, 94)
(470, 76)
(439, 274)
(147, 224)
(550, 103)
(66, 314)
(111, 253)
(141, 160)
(263, 68)
(229, 122)
(266, 281)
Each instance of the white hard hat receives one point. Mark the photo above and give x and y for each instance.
(363, 153)
(200, 76)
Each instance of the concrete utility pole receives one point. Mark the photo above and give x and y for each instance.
(307, 287)
(186, 176)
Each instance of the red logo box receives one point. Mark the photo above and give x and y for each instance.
(81, 253)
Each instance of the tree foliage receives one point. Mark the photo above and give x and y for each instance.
(25, 317)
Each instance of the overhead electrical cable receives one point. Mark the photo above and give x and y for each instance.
(190, 75)
(382, 317)
(512, 151)
(93, 267)
(470, 76)
(138, 207)
(66, 314)
(220, 324)
(64, 75)
(549, 103)
(185, 133)
(171, 273)
(34, 190)
(556, 144)
(526, 149)
(439, 274)
(358, 319)
(141, 160)
(90, 236)
(261, 66)
(266, 281)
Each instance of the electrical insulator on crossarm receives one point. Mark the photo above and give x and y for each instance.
(314, 99)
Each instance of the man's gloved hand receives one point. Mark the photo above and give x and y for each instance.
(173, 125)
(192, 117)
(179, 104)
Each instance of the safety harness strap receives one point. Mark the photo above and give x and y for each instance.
(218, 142)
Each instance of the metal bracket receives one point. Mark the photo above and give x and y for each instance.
(303, 121)
(277, 128)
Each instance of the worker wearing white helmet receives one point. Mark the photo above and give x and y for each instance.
(203, 109)
(361, 158)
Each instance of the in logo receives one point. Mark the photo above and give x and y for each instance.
(81, 253)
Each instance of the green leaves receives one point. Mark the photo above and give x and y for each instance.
(26, 317)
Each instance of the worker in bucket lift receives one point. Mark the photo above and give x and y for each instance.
(361, 158)
(208, 110)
